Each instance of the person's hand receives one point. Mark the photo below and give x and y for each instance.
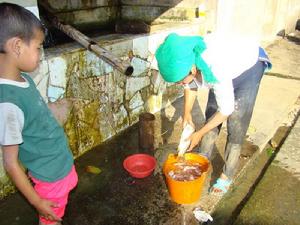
(62, 108)
(44, 207)
(195, 138)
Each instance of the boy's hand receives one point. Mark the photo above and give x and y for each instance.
(18, 176)
(44, 207)
(62, 108)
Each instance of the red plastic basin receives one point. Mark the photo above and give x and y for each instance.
(139, 165)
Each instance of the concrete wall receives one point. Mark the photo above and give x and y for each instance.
(30, 5)
(27, 3)
(278, 15)
(260, 19)
(84, 14)
(159, 11)
(105, 12)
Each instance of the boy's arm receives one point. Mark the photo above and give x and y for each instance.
(61, 109)
(18, 176)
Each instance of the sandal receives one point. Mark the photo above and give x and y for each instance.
(222, 185)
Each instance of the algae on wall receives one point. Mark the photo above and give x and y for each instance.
(107, 101)
(106, 104)
(6, 187)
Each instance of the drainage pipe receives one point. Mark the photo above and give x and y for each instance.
(123, 67)
(146, 132)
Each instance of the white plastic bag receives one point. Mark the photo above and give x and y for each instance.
(183, 143)
(202, 216)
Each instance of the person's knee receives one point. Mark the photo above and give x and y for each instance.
(208, 140)
(236, 130)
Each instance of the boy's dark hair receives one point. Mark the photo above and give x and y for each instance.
(16, 21)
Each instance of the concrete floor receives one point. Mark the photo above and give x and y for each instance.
(112, 197)
(276, 199)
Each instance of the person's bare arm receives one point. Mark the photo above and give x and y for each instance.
(61, 109)
(215, 121)
(18, 176)
(189, 99)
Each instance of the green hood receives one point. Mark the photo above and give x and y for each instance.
(176, 55)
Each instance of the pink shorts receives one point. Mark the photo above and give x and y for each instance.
(57, 192)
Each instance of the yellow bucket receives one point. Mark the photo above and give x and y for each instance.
(185, 192)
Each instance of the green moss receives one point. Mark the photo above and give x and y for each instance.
(146, 92)
(123, 123)
(70, 130)
(6, 187)
(82, 127)
(270, 151)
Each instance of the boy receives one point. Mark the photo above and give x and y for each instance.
(28, 130)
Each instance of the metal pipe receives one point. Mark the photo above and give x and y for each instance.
(146, 131)
(85, 41)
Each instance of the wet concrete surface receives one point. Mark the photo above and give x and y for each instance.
(274, 202)
(276, 199)
(113, 197)
(284, 55)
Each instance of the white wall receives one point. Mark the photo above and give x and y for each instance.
(262, 19)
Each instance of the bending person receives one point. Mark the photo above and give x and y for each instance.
(232, 70)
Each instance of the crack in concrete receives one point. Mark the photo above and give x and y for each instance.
(280, 75)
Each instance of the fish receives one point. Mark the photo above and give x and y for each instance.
(185, 171)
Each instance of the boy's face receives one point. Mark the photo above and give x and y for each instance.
(29, 56)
